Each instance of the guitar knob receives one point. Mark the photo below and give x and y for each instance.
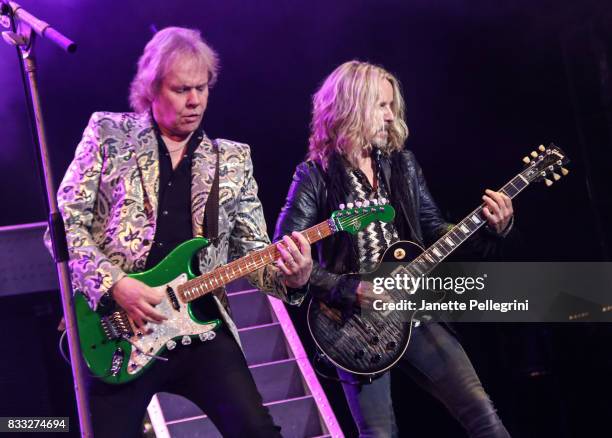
(207, 336)
(170, 344)
(366, 203)
(375, 201)
(186, 340)
(358, 203)
(376, 358)
(391, 346)
(359, 354)
(350, 205)
(375, 340)
(342, 206)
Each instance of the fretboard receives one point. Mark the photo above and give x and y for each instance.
(225, 274)
(458, 234)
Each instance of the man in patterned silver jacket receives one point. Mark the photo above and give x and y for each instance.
(137, 187)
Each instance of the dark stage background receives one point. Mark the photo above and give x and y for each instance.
(484, 82)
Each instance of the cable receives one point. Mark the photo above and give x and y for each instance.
(61, 349)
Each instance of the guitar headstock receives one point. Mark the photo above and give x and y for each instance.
(546, 164)
(355, 217)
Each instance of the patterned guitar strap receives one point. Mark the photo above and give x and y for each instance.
(211, 221)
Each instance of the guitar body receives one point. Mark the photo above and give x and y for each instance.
(371, 342)
(104, 333)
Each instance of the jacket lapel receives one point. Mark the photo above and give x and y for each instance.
(147, 155)
(202, 175)
(385, 165)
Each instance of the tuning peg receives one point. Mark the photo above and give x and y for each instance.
(534, 154)
(366, 203)
(342, 206)
(556, 176)
(350, 205)
(548, 182)
(564, 171)
(541, 148)
(359, 204)
(526, 160)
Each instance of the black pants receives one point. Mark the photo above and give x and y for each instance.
(214, 375)
(436, 361)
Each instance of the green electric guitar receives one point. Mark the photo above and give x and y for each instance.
(116, 351)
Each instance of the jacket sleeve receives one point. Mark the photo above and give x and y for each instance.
(249, 234)
(93, 273)
(302, 210)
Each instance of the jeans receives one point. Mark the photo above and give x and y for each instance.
(435, 361)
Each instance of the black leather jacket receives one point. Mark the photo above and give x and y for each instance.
(307, 205)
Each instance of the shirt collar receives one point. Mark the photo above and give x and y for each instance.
(193, 143)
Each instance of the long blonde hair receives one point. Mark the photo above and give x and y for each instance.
(343, 113)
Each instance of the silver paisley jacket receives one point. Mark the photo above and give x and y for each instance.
(108, 200)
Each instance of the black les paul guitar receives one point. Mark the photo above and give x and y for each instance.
(371, 342)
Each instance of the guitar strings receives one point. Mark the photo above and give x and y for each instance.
(257, 265)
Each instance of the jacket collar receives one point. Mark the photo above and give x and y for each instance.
(147, 158)
(202, 175)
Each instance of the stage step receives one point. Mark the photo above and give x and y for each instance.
(249, 309)
(298, 418)
(276, 381)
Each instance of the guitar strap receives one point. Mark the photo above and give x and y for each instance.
(211, 221)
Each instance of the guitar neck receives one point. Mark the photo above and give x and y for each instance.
(239, 268)
(461, 232)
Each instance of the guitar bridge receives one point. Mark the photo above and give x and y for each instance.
(116, 325)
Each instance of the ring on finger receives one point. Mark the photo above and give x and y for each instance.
(293, 251)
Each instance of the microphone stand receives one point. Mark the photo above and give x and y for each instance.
(24, 27)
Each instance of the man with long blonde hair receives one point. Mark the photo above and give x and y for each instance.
(142, 183)
(356, 152)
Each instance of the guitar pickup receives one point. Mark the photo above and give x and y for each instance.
(173, 299)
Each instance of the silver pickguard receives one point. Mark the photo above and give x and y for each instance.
(178, 324)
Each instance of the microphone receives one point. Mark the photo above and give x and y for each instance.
(42, 28)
